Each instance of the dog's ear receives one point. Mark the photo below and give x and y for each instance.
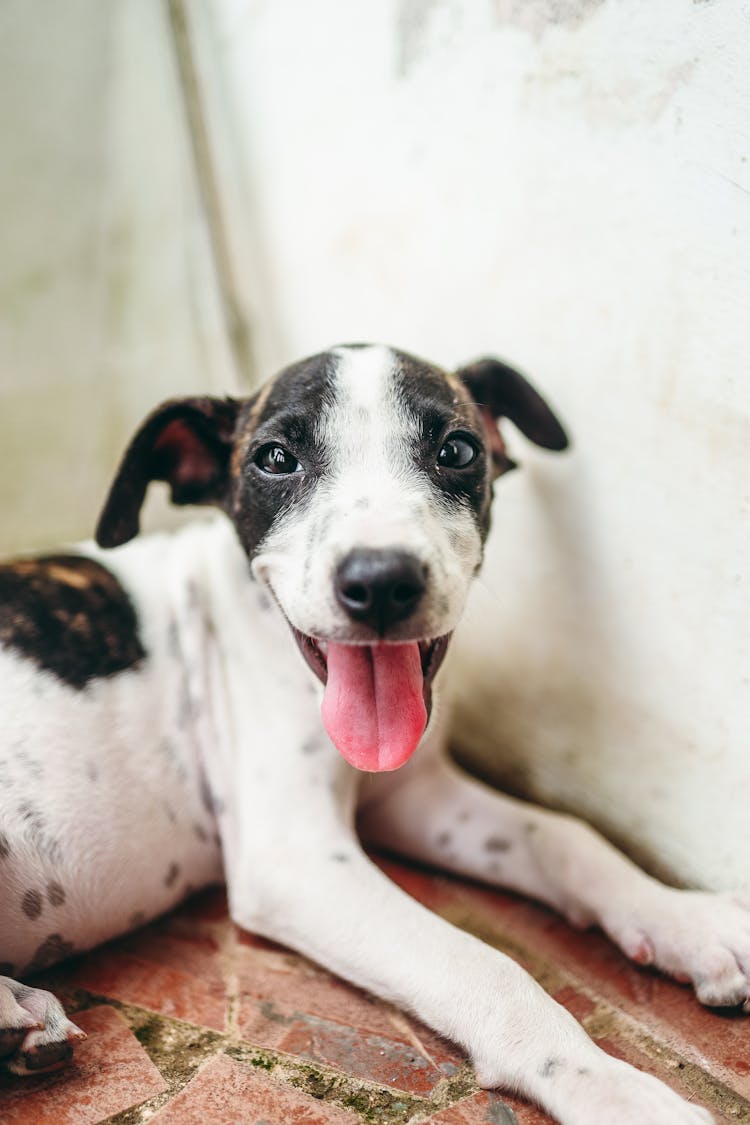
(185, 442)
(502, 392)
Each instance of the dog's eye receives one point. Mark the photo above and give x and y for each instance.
(276, 460)
(458, 451)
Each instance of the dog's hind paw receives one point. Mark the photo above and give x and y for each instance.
(694, 936)
(35, 1033)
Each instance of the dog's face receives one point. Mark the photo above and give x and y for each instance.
(363, 466)
(359, 482)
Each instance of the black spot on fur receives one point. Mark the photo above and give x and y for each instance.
(4, 846)
(31, 904)
(551, 1067)
(171, 876)
(54, 948)
(208, 800)
(312, 745)
(443, 839)
(55, 894)
(70, 616)
(340, 857)
(497, 844)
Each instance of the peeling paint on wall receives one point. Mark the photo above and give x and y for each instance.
(538, 16)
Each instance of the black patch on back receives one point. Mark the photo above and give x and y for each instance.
(70, 615)
(297, 398)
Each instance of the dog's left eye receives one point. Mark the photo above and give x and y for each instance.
(458, 451)
(276, 460)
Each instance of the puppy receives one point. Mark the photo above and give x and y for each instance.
(221, 702)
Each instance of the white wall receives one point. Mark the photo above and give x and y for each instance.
(108, 298)
(565, 183)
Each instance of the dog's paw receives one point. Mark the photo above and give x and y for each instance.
(35, 1033)
(600, 1090)
(695, 937)
(617, 1094)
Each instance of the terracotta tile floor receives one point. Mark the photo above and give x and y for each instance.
(190, 1020)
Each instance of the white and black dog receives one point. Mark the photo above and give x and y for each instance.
(162, 731)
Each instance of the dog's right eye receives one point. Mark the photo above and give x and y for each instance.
(458, 451)
(276, 460)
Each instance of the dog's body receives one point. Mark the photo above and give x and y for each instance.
(160, 730)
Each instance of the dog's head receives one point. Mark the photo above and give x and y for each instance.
(359, 482)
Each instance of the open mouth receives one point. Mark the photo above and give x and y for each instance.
(377, 697)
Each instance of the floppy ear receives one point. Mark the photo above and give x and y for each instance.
(502, 392)
(185, 442)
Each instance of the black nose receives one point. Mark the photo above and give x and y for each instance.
(380, 588)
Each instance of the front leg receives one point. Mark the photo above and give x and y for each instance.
(440, 815)
(301, 878)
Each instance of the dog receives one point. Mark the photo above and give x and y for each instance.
(221, 703)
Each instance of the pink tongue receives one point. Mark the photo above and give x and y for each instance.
(373, 707)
